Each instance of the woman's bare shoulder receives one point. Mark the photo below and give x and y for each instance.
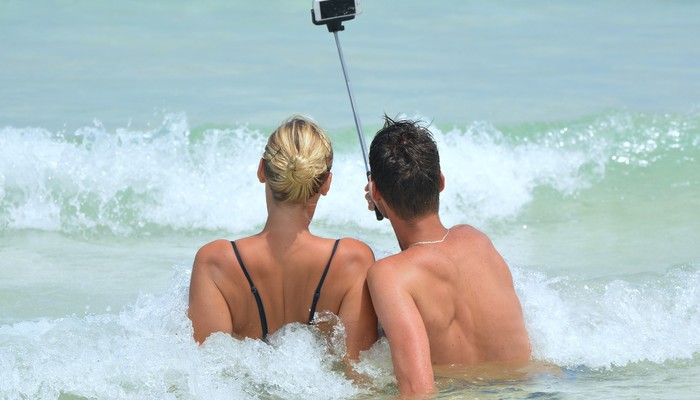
(354, 254)
(213, 254)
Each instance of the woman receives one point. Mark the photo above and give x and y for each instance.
(255, 285)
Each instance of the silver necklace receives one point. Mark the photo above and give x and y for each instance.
(432, 241)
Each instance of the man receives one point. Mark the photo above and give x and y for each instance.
(448, 296)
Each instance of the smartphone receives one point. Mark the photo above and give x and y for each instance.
(327, 10)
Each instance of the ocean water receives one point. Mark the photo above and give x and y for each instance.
(130, 134)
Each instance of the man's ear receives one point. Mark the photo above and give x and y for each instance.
(326, 185)
(442, 182)
(374, 192)
(261, 171)
(377, 198)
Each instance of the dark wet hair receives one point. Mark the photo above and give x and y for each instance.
(405, 167)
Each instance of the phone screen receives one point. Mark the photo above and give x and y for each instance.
(336, 8)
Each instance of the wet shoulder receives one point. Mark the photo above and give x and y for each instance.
(476, 253)
(478, 241)
(353, 256)
(397, 269)
(215, 255)
(212, 252)
(468, 232)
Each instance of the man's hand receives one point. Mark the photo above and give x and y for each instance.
(368, 197)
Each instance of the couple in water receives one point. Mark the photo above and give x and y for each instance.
(447, 298)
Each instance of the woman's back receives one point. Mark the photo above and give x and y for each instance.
(255, 285)
(285, 278)
(285, 275)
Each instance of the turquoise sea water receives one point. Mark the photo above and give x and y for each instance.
(130, 134)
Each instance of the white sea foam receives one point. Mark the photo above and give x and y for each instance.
(131, 181)
(612, 322)
(489, 179)
(127, 180)
(147, 351)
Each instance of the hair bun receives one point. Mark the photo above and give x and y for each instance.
(300, 162)
(298, 170)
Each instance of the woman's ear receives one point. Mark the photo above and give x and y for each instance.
(442, 182)
(326, 185)
(261, 171)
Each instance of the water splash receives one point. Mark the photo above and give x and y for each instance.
(130, 182)
(147, 351)
(612, 322)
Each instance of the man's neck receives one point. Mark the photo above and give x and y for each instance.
(427, 229)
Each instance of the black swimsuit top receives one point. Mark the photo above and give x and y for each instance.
(258, 300)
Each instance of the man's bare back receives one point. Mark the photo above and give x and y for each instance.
(448, 296)
(462, 292)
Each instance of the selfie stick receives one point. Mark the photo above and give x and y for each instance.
(334, 26)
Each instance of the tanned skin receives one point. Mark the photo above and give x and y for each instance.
(447, 302)
(285, 261)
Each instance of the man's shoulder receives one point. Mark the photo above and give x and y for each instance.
(394, 268)
(477, 239)
(382, 266)
(481, 250)
(387, 278)
(468, 231)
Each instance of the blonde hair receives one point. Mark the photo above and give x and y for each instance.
(297, 159)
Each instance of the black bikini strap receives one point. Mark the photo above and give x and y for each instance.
(254, 290)
(317, 293)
